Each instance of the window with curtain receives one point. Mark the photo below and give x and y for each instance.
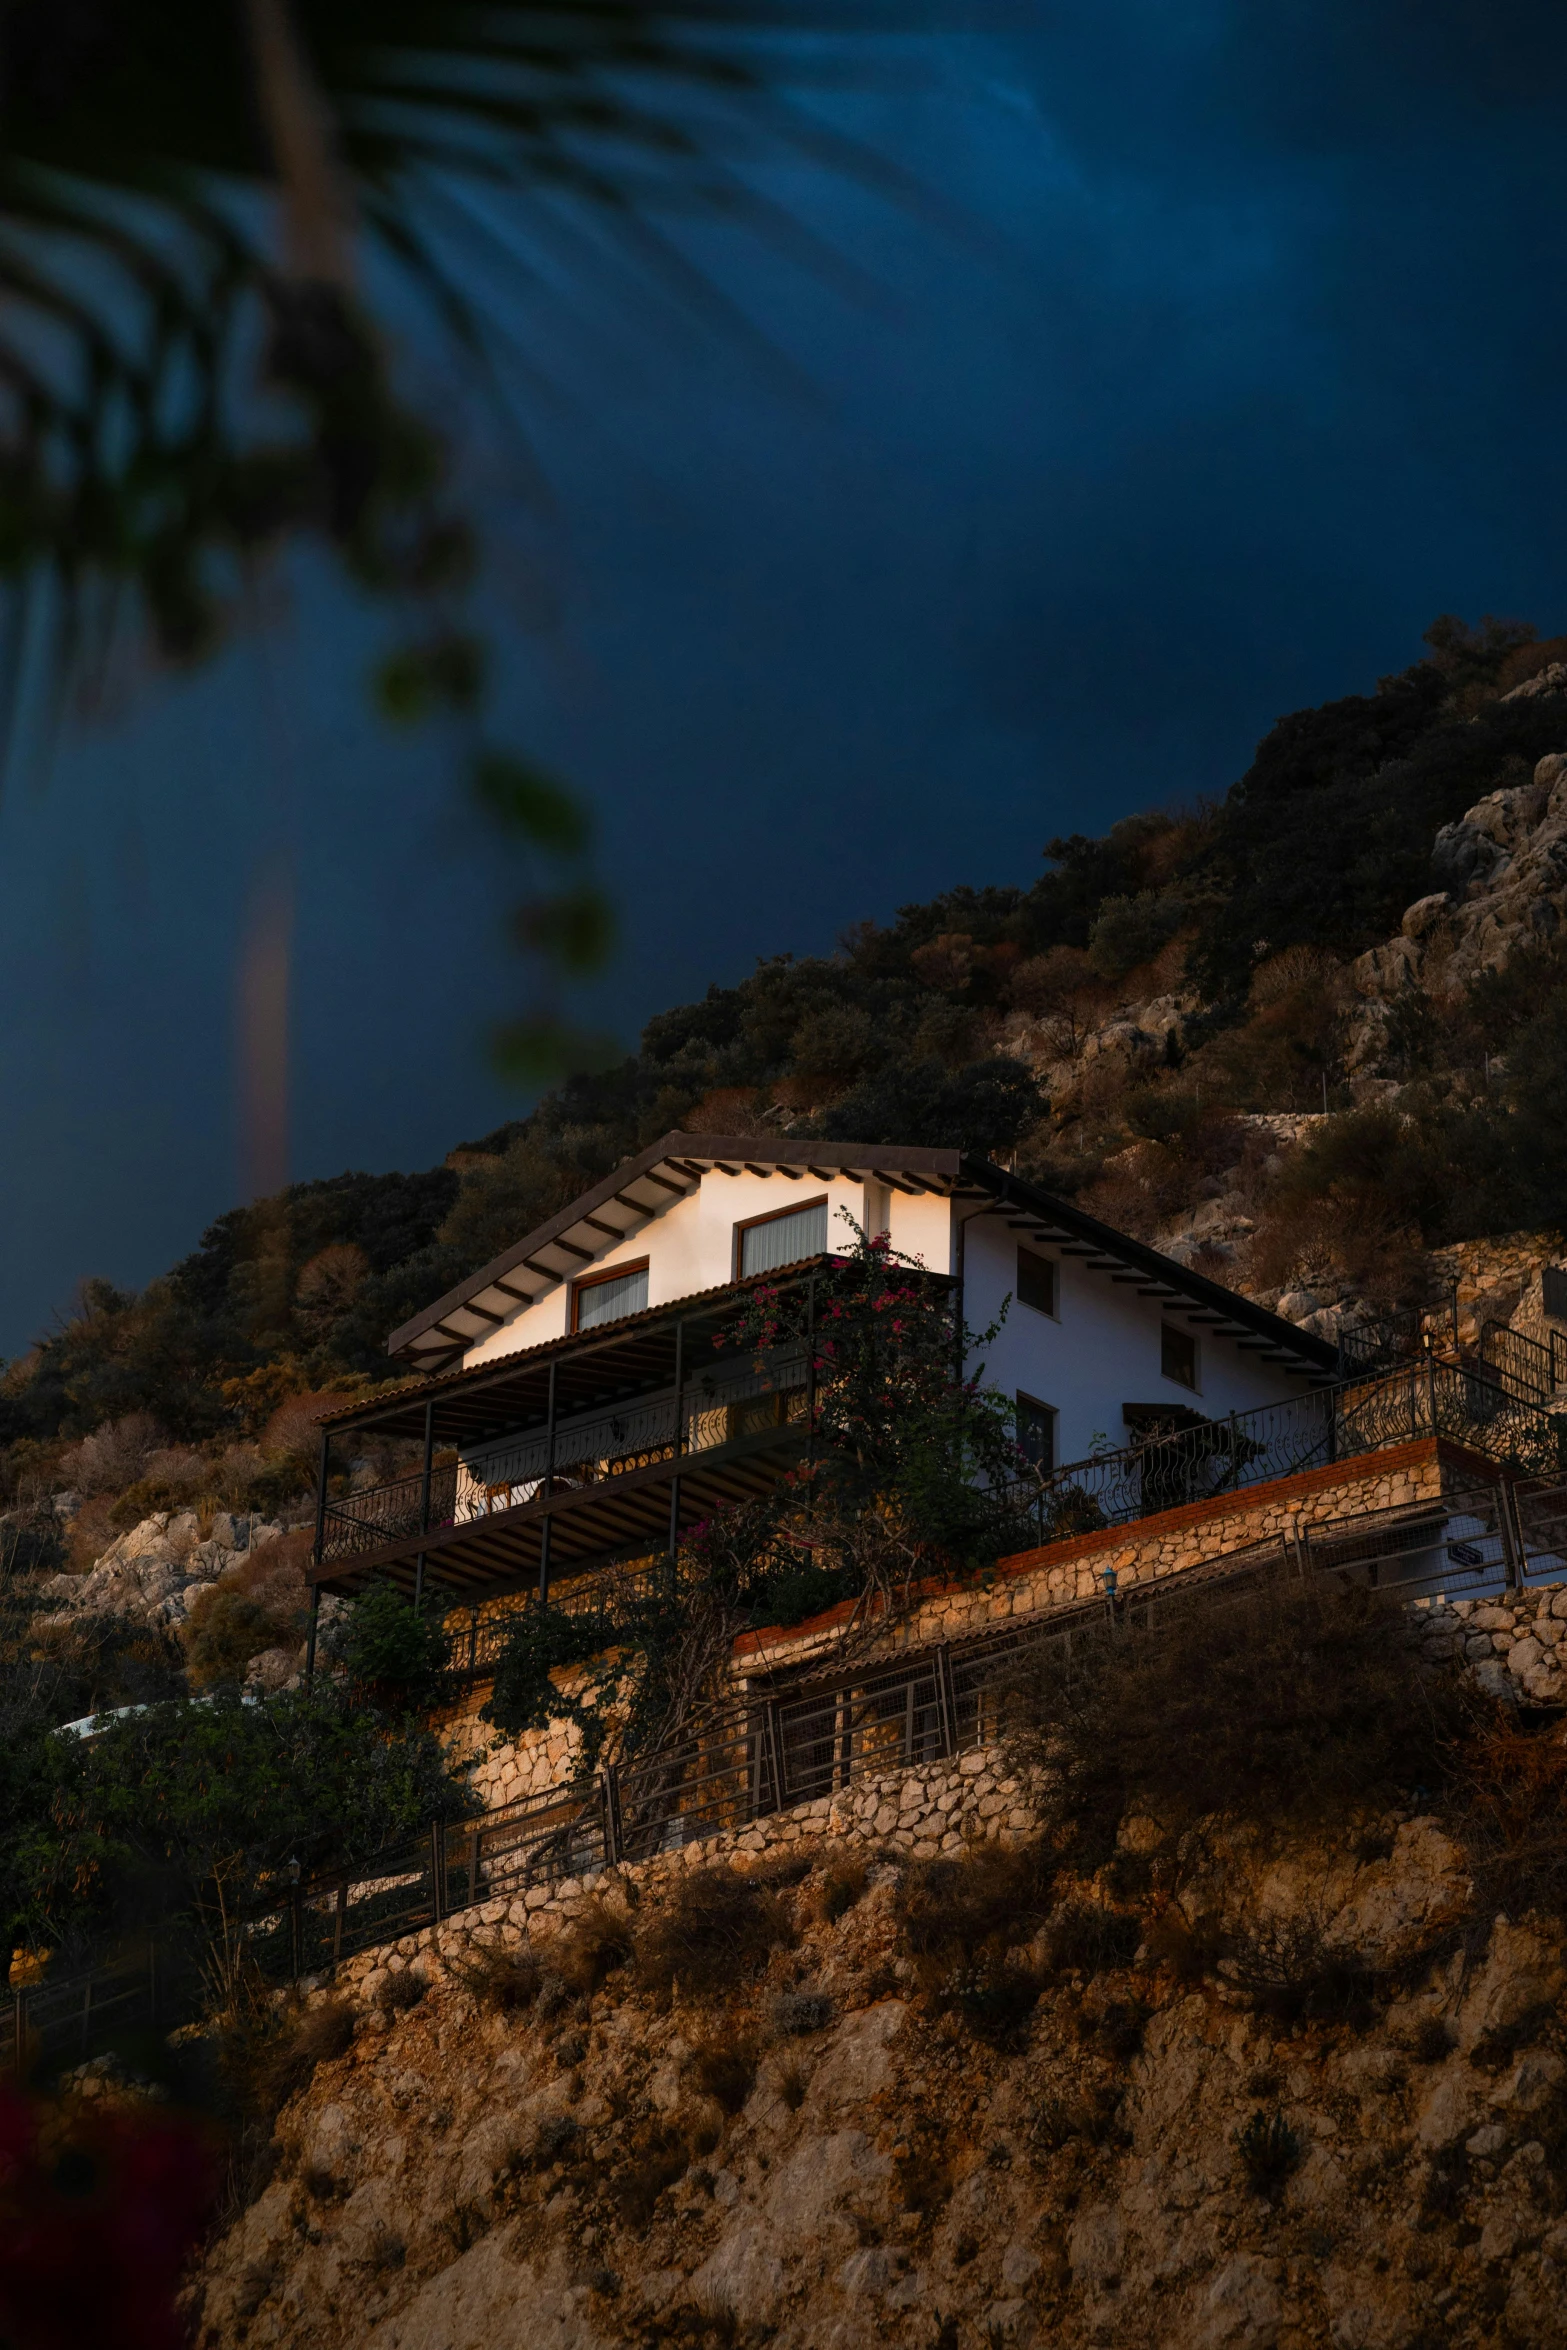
(612, 1299)
(1036, 1431)
(784, 1240)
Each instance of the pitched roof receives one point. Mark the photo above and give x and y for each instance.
(673, 1167)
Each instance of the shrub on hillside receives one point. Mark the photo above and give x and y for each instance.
(713, 1928)
(1130, 931)
(224, 1630)
(392, 1654)
(1293, 1702)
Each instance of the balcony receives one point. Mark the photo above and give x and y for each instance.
(547, 1468)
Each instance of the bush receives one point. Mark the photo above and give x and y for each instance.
(725, 2070)
(842, 1884)
(994, 1998)
(589, 1950)
(1270, 2152)
(1289, 1970)
(796, 2014)
(988, 1900)
(714, 1927)
(1086, 1938)
(284, 2061)
(224, 1630)
(658, 2159)
(395, 1656)
(1290, 1702)
(497, 1976)
(1130, 931)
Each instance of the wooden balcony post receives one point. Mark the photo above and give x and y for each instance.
(549, 1484)
(424, 1498)
(673, 1544)
(321, 1478)
(310, 1637)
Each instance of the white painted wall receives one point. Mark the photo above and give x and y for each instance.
(690, 1246)
(1101, 1350)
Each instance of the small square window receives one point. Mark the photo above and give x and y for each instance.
(1036, 1281)
(1178, 1355)
(1036, 1432)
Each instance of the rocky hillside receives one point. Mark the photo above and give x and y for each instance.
(1317, 2098)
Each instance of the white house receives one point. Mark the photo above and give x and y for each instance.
(1100, 1334)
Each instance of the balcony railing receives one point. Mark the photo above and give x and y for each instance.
(1168, 1469)
(715, 1410)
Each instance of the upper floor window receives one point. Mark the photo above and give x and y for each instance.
(608, 1297)
(781, 1239)
(1036, 1281)
(1178, 1355)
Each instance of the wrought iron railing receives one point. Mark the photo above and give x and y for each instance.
(1531, 1368)
(715, 1410)
(1169, 1468)
(776, 1749)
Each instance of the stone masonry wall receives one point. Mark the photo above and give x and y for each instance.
(1516, 1648)
(1032, 1581)
(919, 1813)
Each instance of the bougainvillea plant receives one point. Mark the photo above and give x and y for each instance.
(910, 1471)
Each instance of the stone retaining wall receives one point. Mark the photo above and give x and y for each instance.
(918, 1814)
(1055, 1575)
(1516, 1647)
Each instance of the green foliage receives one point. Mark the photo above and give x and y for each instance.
(525, 801)
(194, 1812)
(393, 1655)
(983, 1108)
(1290, 1702)
(1130, 931)
(225, 1629)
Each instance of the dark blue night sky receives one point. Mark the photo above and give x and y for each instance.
(1241, 355)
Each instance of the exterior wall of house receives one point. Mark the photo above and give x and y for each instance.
(1101, 1349)
(691, 1246)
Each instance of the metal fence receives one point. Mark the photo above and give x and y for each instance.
(1534, 1368)
(1168, 1468)
(69, 2020)
(796, 1743)
(715, 1410)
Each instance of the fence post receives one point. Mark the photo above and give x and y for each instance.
(776, 1748)
(1507, 1518)
(296, 1920)
(19, 2019)
(339, 1919)
(609, 1797)
(1431, 1390)
(947, 1699)
(437, 1872)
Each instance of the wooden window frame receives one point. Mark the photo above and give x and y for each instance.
(597, 1281)
(799, 1207)
(1193, 1386)
(1037, 1403)
(1052, 1312)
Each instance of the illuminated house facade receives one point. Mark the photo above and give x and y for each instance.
(570, 1404)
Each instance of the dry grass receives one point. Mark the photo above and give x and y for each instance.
(724, 2069)
(593, 1946)
(714, 1927)
(843, 1883)
(989, 1900)
(498, 1977)
(659, 2158)
(282, 2062)
(791, 2080)
(403, 1990)
(1289, 1971)
(1086, 1938)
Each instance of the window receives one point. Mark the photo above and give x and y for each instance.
(608, 1297)
(782, 1239)
(1036, 1432)
(1178, 1355)
(1036, 1281)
